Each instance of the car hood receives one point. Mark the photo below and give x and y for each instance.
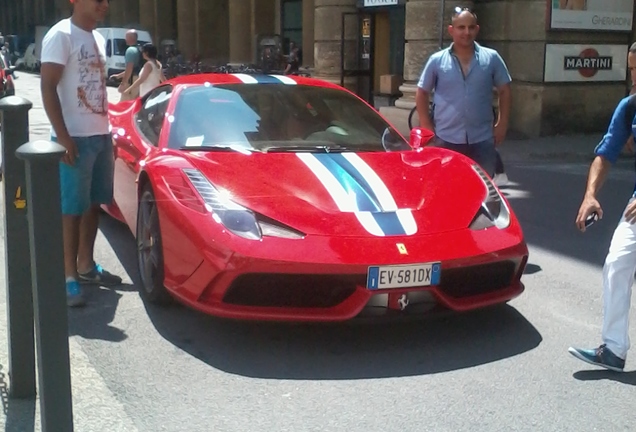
(351, 194)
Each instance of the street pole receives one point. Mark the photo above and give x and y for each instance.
(47, 263)
(15, 132)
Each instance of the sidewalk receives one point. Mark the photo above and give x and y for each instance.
(566, 148)
(95, 406)
(560, 148)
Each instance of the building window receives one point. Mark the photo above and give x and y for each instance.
(292, 23)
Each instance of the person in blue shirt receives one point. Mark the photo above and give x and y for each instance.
(620, 264)
(462, 78)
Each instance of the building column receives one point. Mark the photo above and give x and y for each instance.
(422, 34)
(4, 11)
(309, 8)
(263, 21)
(240, 12)
(116, 13)
(164, 21)
(6, 19)
(131, 13)
(213, 30)
(147, 19)
(327, 39)
(13, 13)
(187, 27)
(27, 15)
(157, 17)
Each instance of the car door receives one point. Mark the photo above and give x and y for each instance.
(135, 145)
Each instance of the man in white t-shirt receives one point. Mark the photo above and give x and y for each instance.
(73, 85)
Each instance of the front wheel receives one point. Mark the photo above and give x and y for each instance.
(150, 250)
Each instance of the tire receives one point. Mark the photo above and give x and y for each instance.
(150, 250)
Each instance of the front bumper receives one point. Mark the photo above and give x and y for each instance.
(257, 289)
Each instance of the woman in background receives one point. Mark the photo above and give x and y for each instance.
(151, 74)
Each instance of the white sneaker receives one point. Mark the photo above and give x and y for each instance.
(501, 179)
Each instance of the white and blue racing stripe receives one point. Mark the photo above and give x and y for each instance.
(356, 188)
(285, 79)
(264, 79)
(246, 79)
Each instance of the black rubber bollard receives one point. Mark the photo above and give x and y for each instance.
(15, 132)
(49, 293)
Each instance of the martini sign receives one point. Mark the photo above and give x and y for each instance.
(588, 63)
(581, 63)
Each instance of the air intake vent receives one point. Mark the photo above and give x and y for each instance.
(493, 195)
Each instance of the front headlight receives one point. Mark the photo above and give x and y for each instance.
(236, 218)
(493, 210)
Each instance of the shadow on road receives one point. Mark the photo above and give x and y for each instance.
(547, 200)
(532, 269)
(353, 350)
(19, 413)
(628, 378)
(348, 351)
(94, 320)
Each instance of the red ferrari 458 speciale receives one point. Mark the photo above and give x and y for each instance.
(273, 197)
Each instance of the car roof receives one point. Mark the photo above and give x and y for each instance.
(239, 78)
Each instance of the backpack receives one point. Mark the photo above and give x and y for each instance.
(141, 62)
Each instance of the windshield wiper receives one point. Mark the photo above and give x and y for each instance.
(306, 148)
(217, 148)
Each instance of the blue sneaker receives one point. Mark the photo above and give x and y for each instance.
(601, 356)
(74, 296)
(99, 276)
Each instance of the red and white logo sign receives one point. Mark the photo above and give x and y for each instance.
(588, 63)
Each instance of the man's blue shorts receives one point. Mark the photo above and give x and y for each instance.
(90, 180)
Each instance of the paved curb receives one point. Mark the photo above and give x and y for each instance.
(95, 407)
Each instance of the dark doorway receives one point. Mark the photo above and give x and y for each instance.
(372, 45)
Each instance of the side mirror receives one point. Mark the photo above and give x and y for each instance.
(421, 137)
(9, 71)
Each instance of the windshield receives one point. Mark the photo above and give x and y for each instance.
(121, 46)
(278, 117)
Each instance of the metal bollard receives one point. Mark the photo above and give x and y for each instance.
(47, 264)
(15, 132)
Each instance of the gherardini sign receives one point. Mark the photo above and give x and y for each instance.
(581, 63)
(369, 3)
(602, 15)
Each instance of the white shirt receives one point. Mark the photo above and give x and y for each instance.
(82, 89)
(153, 79)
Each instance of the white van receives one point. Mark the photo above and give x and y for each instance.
(116, 46)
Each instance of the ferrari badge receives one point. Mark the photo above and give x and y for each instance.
(402, 249)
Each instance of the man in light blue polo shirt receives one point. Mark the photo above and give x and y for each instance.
(462, 77)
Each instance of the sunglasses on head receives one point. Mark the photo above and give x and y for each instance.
(459, 10)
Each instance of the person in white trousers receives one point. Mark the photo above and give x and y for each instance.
(620, 264)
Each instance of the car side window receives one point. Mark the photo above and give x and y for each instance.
(150, 118)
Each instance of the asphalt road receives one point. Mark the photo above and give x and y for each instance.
(496, 370)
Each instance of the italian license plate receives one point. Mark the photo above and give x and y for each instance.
(403, 276)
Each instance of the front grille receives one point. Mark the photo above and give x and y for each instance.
(326, 291)
(479, 279)
(303, 291)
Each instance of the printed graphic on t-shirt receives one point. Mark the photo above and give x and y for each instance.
(91, 92)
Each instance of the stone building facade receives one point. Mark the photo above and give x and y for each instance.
(374, 45)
